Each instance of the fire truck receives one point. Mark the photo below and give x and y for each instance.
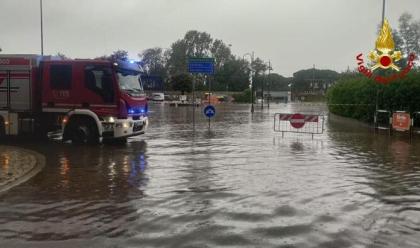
(87, 100)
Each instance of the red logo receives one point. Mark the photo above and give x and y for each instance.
(384, 57)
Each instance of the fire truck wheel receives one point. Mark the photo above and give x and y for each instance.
(84, 131)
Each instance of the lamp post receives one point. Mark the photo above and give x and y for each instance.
(383, 20)
(251, 75)
(42, 29)
(383, 12)
(262, 91)
(269, 83)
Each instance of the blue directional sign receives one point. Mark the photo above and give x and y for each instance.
(209, 111)
(201, 65)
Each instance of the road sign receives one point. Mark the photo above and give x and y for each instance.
(401, 121)
(201, 65)
(209, 111)
(297, 121)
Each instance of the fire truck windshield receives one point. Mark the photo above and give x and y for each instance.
(130, 82)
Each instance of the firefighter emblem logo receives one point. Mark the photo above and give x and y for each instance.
(385, 55)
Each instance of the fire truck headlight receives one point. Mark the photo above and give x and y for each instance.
(109, 119)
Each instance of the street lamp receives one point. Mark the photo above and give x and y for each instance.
(383, 12)
(42, 31)
(383, 20)
(269, 83)
(251, 55)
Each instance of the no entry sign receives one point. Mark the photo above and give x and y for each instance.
(297, 121)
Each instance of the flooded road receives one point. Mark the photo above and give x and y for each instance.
(239, 185)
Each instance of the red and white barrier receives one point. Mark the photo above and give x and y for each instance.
(299, 123)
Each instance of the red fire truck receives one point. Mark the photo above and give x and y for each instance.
(86, 99)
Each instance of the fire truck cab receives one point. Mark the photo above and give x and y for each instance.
(86, 99)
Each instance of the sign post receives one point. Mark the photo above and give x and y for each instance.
(201, 66)
(209, 111)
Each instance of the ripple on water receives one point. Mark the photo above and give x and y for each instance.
(239, 185)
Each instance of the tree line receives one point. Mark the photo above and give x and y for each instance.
(171, 65)
(232, 71)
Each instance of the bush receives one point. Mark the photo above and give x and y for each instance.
(356, 98)
(243, 97)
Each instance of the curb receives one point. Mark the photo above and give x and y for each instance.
(37, 167)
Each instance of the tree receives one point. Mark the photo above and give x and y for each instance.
(198, 43)
(177, 61)
(232, 76)
(409, 31)
(116, 55)
(182, 82)
(62, 56)
(277, 82)
(304, 80)
(221, 53)
(194, 44)
(154, 62)
(259, 66)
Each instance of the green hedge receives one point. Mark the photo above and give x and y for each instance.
(356, 97)
(243, 97)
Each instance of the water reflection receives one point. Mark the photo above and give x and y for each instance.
(390, 167)
(400, 151)
(296, 146)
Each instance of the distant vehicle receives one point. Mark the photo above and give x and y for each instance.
(158, 97)
(85, 99)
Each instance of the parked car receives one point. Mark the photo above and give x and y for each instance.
(158, 97)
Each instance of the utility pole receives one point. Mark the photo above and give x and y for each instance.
(42, 29)
(262, 91)
(269, 84)
(313, 79)
(383, 20)
(252, 83)
(383, 12)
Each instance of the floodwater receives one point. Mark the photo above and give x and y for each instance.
(238, 185)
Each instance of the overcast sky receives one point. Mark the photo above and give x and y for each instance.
(293, 34)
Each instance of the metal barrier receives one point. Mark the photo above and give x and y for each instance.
(415, 123)
(397, 121)
(383, 120)
(299, 123)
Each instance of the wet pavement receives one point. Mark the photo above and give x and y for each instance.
(17, 165)
(239, 185)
